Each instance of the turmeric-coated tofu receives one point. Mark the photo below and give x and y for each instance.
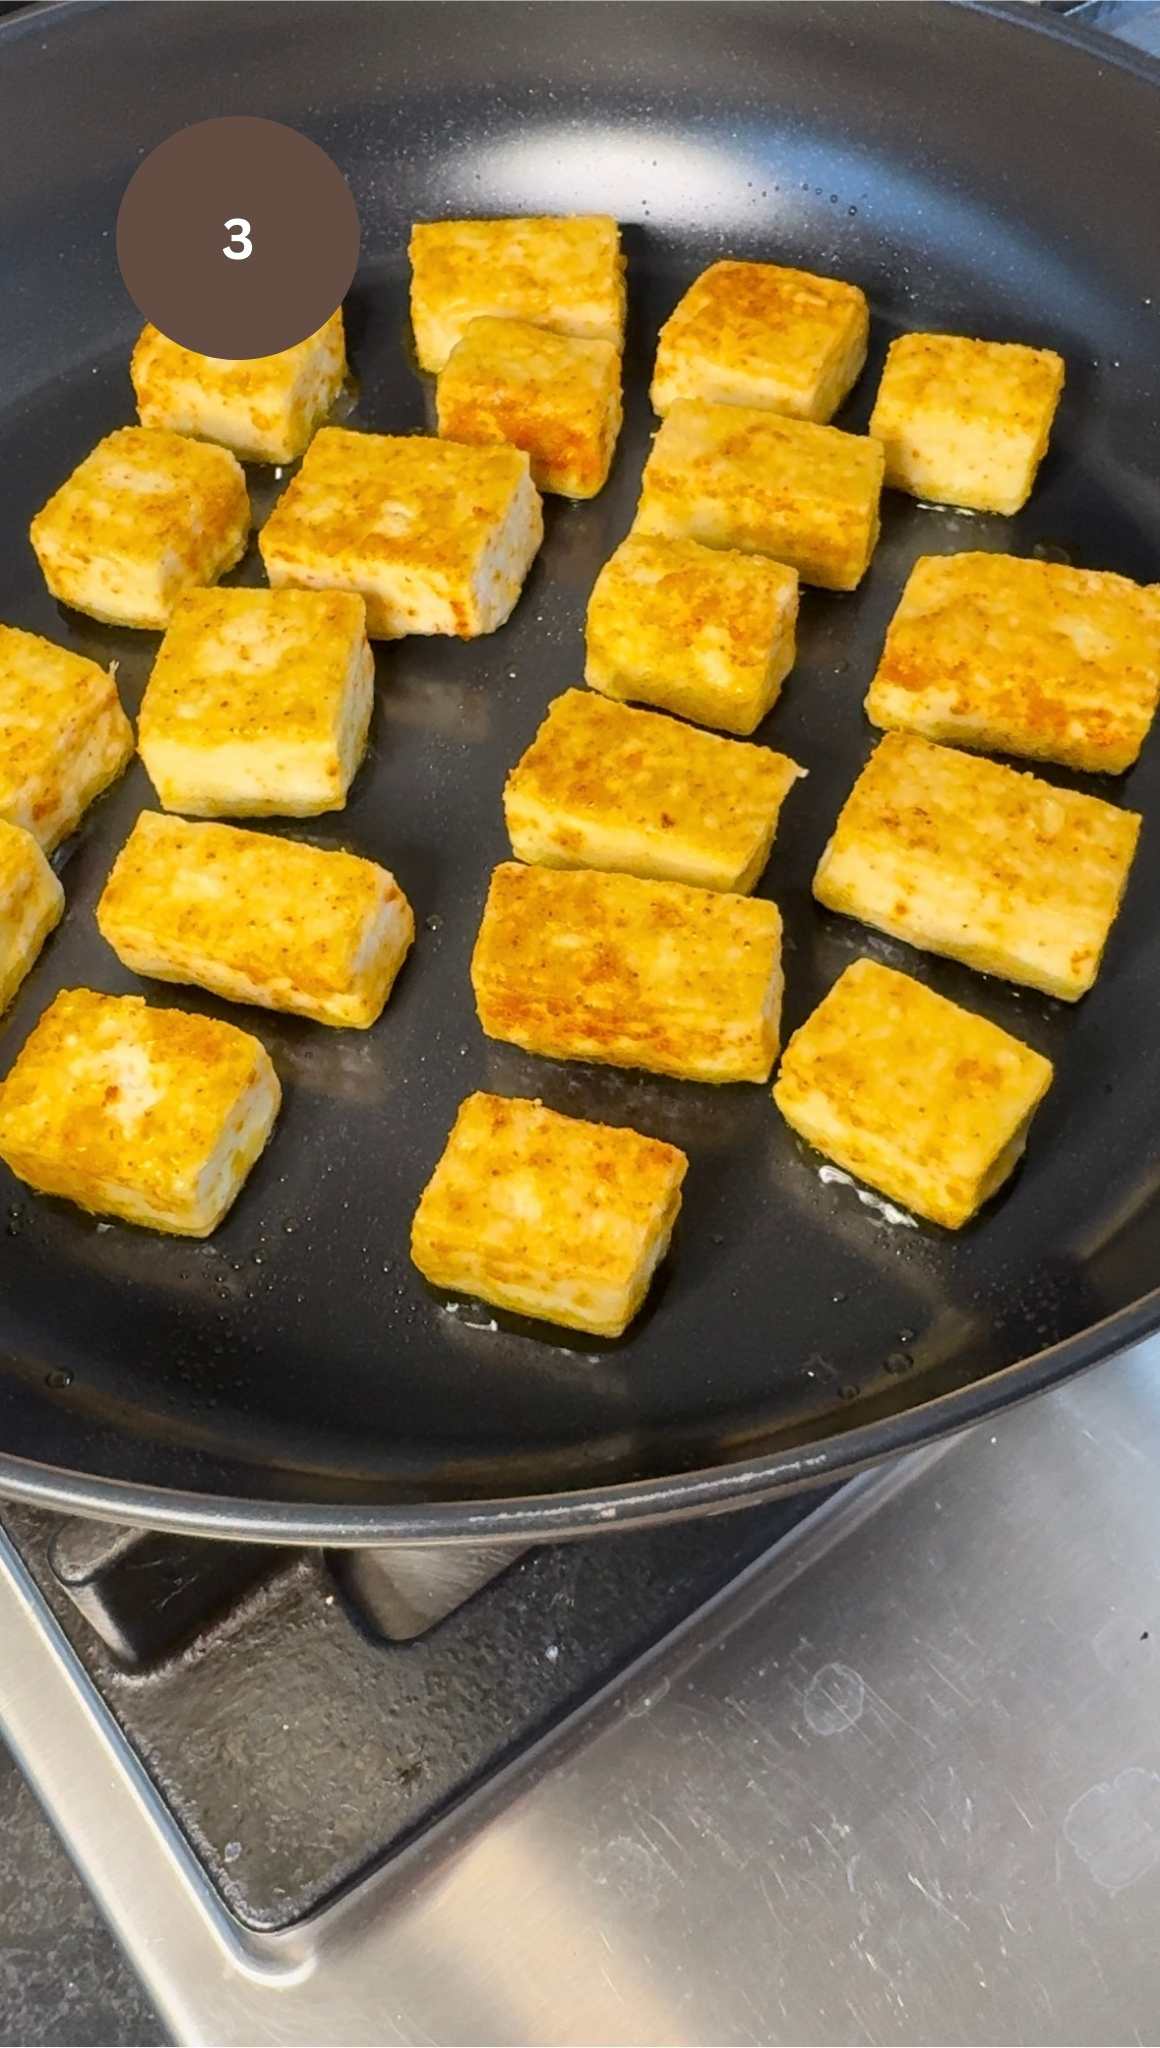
(152, 1115)
(265, 408)
(565, 273)
(966, 422)
(148, 515)
(733, 476)
(436, 537)
(1022, 657)
(31, 904)
(579, 965)
(708, 633)
(548, 1215)
(983, 863)
(554, 395)
(928, 1102)
(762, 334)
(63, 735)
(259, 703)
(257, 919)
(603, 786)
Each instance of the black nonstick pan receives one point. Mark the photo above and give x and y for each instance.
(978, 171)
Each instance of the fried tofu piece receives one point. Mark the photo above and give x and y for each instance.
(732, 476)
(266, 408)
(553, 395)
(928, 1102)
(548, 1215)
(259, 703)
(131, 1111)
(1022, 657)
(579, 965)
(628, 791)
(257, 919)
(706, 632)
(566, 274)
(436, 537)
(63, 735)
(762, 334)
(987, 865)
(966, 422)
(31, 905)
(145, 517)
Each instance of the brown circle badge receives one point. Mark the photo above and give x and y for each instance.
(237, 237)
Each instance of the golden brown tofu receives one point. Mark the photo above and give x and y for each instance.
(153, 1115)
(1021, 657)
(31, 904)
(926, 1101)
(548, 1215)
(705, 632)
(145, 517)
(985, 864)
(257, 919)
(586, 966)
(259, 703)
(566, 274)
(966, 422)
(63, 735)
(436, 537)
(266, 408)
(732, 476)
(553, 395)
(605, 787)
(761, 334)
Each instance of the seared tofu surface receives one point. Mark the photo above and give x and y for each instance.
(983, 863)
(603, 786)
(436, 537)
(31, 904)
(63, 735)
(580, 965)
(565, 273)
(1022, 657)
(763, 334)
(966, 422)
(148, 515)
(264, 408)
(548, 1215)
(926, 1101)
(732, 476)
(257, 919)
(554, 395)
(152, 1115)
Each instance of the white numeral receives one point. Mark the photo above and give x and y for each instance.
(238, 231)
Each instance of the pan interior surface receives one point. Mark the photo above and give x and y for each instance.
(930, 154)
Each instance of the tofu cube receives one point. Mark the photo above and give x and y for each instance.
(145, 517)
(436, 537)
(1021, 657)
(566, 274)
(553, 395)
(761, 334)
(628, 791)
(705, 632)
(578, 965)
(548, 1215)
(266, 408)
(63, 735)
(926, 1101)
(966, 422)
(152, 1115)
(257, 919)
(259, 703)
(732, 476)
(31, 904)
(982, 863)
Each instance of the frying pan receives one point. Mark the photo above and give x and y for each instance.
(985, 172)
